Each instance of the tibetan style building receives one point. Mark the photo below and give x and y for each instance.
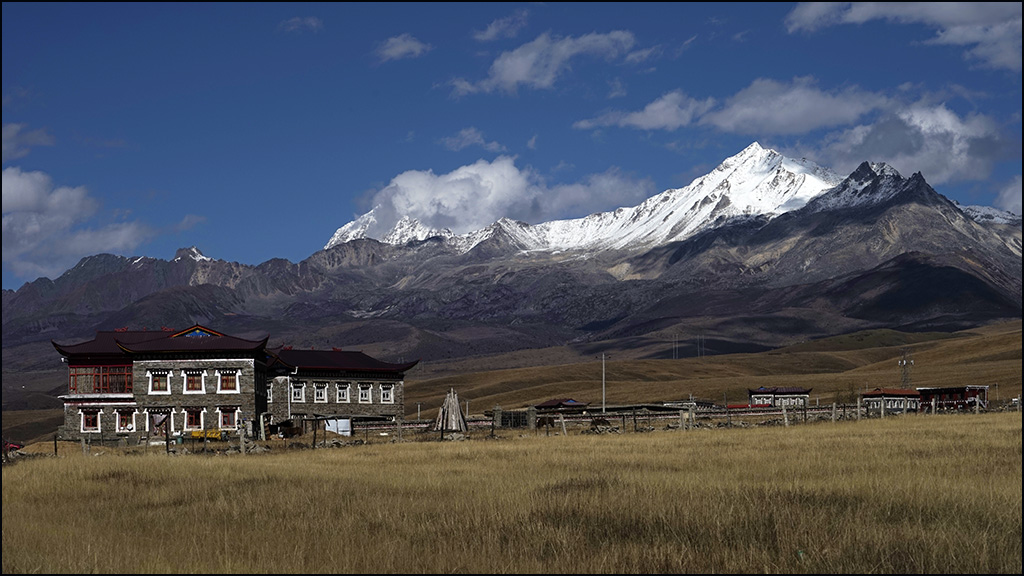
(162, 384)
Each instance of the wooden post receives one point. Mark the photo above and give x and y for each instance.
(833, 411)
(561, 417)
(54, 444)
(858, 409)
(785, 417)
(316, 426)
(692, 418)
(933, 405)
(682, 421)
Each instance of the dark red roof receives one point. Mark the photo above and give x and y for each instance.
(351, 361)
(119, 343)
(891, 392)
(780, 390)
(562, 403)
(105, 343)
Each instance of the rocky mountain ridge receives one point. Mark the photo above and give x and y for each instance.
(764, 255)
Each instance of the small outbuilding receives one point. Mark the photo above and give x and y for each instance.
(779, 396)
(891, 400)
(562, 405)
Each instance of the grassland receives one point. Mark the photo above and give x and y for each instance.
(835, 369)
(906, 494)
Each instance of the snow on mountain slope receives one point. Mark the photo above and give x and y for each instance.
(755, 182)
(988, 214)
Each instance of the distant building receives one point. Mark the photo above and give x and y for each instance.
(966, 397)
(892, 400)
(564, 405)
(162, 384)
(778, 397)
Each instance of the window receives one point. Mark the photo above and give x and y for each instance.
(91, 421)
(160, 423)
(270, 392)
(194, 382)
(320, 392)
(387, 395)
(343, 393)
(228, 382)
(365, 390)
(125, 421)
(228, 418)
(299, 392)
(193, 418)
(159, 383)
(115, 380)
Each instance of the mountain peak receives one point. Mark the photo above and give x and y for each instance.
(409, 229)
(190, 252)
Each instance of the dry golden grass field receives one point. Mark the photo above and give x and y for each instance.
(936, 494)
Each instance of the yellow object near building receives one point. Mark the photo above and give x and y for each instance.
(215, 434)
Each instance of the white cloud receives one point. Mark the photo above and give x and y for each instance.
(403, 46)
(1009, 197)
(507, 27)
(922, 137)
(991, 30)
(669, 112)
(475, 196)
(301, 24)
(45, 227)
(539, 63)
(772, 107)
(470, 137)
(16, 143)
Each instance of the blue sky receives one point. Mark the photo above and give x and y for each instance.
(254, 131)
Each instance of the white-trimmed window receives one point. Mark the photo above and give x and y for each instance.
(227, 381)
(126, 421)
(270, 392)
(387, 393)
(298, 391)
(365, 392)
(91, 420)
(195, 381)
(344, 392)
(320, 392)
(159, 382)
(228, 417)
(158, 422)
(194, 418)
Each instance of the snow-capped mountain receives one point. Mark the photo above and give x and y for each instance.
(988, 214)
(755, 182)
(764, 251)
(870, 183)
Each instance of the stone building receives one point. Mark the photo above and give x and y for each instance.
(199, 382)
(334, 385)
(778, 397)
(891, 400)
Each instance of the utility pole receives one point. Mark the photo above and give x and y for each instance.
(602, 383)
(905, 363)
(418, 410)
